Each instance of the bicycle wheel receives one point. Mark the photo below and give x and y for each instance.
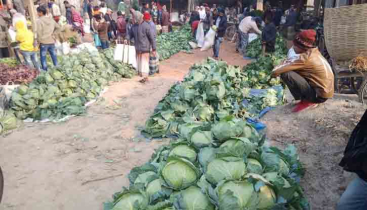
(362, 92)
(230, 32)
(1, 184)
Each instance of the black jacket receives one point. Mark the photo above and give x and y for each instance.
(355, 154)
(222, 25)
(194, 17)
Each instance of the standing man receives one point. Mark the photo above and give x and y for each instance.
(146, 8)
(248, 24)
(269, 36)
(165, 19)
(4, 34)
(69, 14)
(121, 26)
(19, 6)
(55, 10)
(90, 13)
(145, 44)
(278, 14)
(101, 26)
(308, 76)
(25, 38)
(221, 26)
(47, 28)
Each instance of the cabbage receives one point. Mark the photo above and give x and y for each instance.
(215, 90)
(254, 166)
(225, 130)
(206, 155)
(273, 163)
(201, 138)
(235, 195)
(228, 168)
(153, 187)
(204, 113)
(130, 200)
(237, 147)
(22, 90)
(142, 178)
(192, 199)
(179, 173)
(267, 197)
(184, 151)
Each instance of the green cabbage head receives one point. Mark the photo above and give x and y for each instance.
(179, 173)
(193, 198)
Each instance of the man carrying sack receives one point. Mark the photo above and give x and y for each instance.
(308, 76)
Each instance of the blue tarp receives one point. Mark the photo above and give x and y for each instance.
(259, 93)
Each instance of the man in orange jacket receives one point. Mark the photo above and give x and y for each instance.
(308, 76)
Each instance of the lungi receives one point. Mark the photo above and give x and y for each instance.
(142, 60)
(242, 42)
(153, 64)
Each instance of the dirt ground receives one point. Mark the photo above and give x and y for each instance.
(80, 163)
(320, 136)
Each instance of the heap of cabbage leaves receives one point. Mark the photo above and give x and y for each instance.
(220, 166)
(64, 90)
(211, 91)
(169, 44)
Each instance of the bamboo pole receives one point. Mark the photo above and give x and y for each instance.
(32, 13)
(170, 9)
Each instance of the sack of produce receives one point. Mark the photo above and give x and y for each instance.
(209, 40)
(200, 35)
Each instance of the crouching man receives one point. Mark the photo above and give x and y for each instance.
(308, 76)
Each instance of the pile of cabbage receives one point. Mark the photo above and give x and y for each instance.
(253, 49)
(258, 73)
(64, 90)
(169, 44)
(210, 92)
(220, 166)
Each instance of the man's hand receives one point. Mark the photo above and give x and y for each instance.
(154, 53)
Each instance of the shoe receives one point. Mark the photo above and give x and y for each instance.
(303, 105)
(143, 81)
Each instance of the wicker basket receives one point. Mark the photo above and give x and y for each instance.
(345, 31)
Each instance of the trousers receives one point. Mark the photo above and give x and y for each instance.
(354, 197)
(50, 48)
(300, 87)
(216, 46)
(30, 59)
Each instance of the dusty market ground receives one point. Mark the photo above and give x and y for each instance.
(80, 163)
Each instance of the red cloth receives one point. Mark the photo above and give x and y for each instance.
(78, 21)
(159, 7)
(195, 25)
(305, 39)
(146, 16)
(121, 25)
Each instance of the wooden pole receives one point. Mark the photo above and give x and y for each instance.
(170, 9)
(32, 13)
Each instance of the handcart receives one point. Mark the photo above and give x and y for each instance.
(345, 33)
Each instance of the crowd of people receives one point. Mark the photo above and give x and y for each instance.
(265, 24)
(101, 24)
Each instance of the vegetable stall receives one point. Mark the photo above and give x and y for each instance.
(65, 90)
(215, 156)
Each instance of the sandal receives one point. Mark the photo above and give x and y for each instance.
(144, 80)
